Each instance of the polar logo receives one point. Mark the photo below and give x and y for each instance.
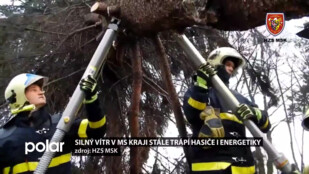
(41, 147)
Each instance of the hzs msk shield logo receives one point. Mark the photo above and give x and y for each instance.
(275, 23)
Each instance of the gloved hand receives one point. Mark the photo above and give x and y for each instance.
(245, 112)
(212, 124)
(294, 170)
(89, 86)
(203, 76)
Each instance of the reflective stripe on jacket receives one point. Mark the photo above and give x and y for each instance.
(13, 138)
(218, 158)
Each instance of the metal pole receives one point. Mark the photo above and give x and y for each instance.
(279, 159)
(75, 102)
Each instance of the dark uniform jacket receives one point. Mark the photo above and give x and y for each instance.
(216, 159)
(39, 128)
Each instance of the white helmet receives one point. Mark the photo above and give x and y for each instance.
(15, 91)
(217, 57)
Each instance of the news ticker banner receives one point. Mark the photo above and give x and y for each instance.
(111, 146)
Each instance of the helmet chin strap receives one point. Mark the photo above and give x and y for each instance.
(28, 107)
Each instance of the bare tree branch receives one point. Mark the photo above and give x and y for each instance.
(166, 72)
(286, 115)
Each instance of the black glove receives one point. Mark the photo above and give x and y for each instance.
(245, 112)
(89, 86)
(203, 76)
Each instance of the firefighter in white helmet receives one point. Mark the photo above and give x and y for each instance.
(16, 96)
(225, 62)
(32, 123)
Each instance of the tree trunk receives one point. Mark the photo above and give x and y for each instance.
(135, 106)
(149, 16)
(167, 77)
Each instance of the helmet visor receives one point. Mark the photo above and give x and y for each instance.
(35, 79)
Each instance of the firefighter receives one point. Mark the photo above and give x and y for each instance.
(31, 123)
(210, 116)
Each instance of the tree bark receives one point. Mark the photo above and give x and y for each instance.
(167, 77)
(151, 16)
(135, 107)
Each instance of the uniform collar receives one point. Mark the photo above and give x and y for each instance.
(36, 119)
(20, 120)
(39, 117)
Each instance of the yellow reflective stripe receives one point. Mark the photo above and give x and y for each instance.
(196, 104)
(24, 167)
(31, 166)
(83, 128)
(241, 170)
(210, 166)
(60, 160)
(97, 124)
(228, 116)
(265, 125)
(6, 170)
